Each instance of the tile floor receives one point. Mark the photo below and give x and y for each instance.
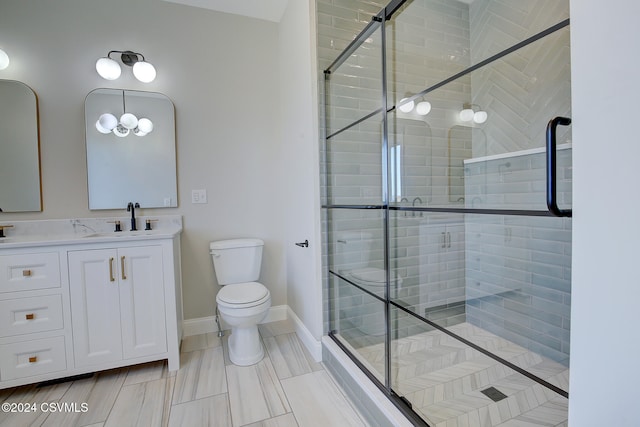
(443, 379)
(287, 388)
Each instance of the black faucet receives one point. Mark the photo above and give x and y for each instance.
(131, 208)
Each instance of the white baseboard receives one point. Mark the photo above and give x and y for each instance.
(203, 325)
(313, 345)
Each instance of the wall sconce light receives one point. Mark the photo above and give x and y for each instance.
(422, 108)
(406, 107)
(109, 69)
(468, 114)
(4, 60)
(108, 123)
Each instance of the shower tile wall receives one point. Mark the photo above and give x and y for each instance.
(510, 89)
(518, 269)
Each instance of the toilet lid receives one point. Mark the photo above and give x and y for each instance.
(242, 293)
(374, 276)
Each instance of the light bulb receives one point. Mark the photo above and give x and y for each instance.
(144, 71)
(128, 120)
(406, 108)
(101, 129)
(120, 131)
(466, 115)
(108, 68)
(108, 121)
(145, 125)
(480, 117)
(4, 60)
(423, 108)
(138, 132)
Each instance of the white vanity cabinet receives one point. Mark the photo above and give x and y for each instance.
(33, 337)
(117, 296)
(86, 304)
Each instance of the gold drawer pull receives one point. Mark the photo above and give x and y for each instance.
(30, 316)
(124, 276)
(111, 278)
(26, 273)
(33, 359)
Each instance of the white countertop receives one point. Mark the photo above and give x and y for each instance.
(84, 231)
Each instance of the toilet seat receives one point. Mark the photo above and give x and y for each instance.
(243, 295)
(374, 276)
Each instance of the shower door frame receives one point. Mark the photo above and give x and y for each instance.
(378, 22)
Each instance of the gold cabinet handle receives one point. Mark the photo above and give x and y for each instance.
(26, 273)
(124, 276)
(33, 359)
(30, 316)
(111, 278)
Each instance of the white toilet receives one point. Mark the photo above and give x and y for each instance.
(353, 258)
(242, 302)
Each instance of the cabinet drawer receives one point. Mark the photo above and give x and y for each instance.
(25, 272)
(28, 315)
(29, 358)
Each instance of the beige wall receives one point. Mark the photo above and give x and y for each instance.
(220, 70)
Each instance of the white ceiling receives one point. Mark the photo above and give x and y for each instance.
(270, 10)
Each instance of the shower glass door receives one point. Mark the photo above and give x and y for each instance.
(449, 267)
(353, 205)
(481, 318)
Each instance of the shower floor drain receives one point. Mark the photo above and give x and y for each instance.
(493, 394)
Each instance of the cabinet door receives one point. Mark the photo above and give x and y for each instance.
(142, 301)
(93, 278)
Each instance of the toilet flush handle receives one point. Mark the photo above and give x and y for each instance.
(304, 244)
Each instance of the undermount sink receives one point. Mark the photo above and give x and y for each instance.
(121, 234)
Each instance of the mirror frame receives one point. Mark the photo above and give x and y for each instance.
(138, 169)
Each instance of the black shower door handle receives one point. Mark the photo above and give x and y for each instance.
(552, 202)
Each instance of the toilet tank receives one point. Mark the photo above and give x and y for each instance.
(236, 260)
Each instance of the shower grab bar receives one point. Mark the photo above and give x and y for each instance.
(552, 202)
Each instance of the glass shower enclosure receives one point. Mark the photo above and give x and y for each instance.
(447, 208)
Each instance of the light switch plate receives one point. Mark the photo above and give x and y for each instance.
(198, 196)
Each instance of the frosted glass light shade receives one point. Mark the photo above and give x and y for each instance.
(4, 60)
(102, 129)
(145, 125)
(128, 120)
(480, 117)
(406, 108)
(423, 108)
(121, 131)
(138, 132)
(108, 68)
(466, 115)
(108, 121)
(144, 71)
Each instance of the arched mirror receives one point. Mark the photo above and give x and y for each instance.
(19, 149)
(131, 149)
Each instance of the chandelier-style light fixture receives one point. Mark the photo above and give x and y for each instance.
(4, 60)
(108, 123)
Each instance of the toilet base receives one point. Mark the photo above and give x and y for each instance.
(245, 347)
